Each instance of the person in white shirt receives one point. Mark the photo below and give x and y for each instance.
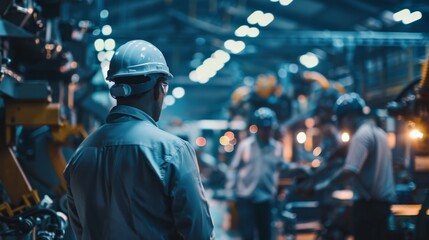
(253, 177)
(369, 165)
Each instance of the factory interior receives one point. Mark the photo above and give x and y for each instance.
(228, 58)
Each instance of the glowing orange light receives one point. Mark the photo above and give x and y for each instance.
(73, 64)
(317, 151)
(229, 148)
(315, 163)
(416, 134)
(253, 129)
(224, 140)
(230, 135)
(200, 141)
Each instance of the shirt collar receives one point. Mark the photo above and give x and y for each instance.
(118, 113)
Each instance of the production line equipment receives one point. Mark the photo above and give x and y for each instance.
(23, 215)
(411, 106)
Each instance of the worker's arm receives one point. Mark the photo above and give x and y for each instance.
(71, 207)
(189, 203)
(356, 156)
(340, 176)
(232, 171)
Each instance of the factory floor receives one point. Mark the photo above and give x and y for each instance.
(221, 218)
(224, 229)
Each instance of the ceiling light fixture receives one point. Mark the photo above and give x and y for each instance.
(398, 16)
(309, 60)
(255, 16)
(412, 17)
(406, 16)
(242, 31)
(234, 46)
(266, 19)
(285, 2)
(106, 30)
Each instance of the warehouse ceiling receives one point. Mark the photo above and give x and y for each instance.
(190, 31)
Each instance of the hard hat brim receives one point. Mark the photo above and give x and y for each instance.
(112, 78)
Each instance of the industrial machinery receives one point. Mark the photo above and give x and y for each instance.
(411, 108)
(21, 209)
(28, 211)
(267, 92)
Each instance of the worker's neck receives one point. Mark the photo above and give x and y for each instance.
(149, 109)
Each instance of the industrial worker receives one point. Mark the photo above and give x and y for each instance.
(252, 179)
(369, 165)
(129, 179)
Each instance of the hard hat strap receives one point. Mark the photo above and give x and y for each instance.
(125, 90)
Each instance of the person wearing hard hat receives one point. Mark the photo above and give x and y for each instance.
(369, 164)
(253, 175)
(129, 179)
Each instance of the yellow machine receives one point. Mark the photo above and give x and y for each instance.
(28, 104)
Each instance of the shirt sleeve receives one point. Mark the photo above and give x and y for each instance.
(71, 208)
(282, 165)
(189, 204)
(357, 152)
(232, 171)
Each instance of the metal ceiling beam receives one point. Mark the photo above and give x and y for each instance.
(344, 38)
(199, 24)
(279, 12)
(120, 7)
(147, 22)
(354, 5)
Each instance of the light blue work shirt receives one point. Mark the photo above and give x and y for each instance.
(131, 180)
(254, 169)
(370, 157)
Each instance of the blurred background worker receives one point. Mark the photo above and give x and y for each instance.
(129, 179)
(369, 163)
(253, 176)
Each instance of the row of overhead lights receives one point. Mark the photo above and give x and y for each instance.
(106, 50)
(105, 47)
(309, 60)
(209, 68)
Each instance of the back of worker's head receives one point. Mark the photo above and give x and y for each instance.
(264, 117)
(136, 68)
(266, 121)
(349, 108)
(325, 104)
